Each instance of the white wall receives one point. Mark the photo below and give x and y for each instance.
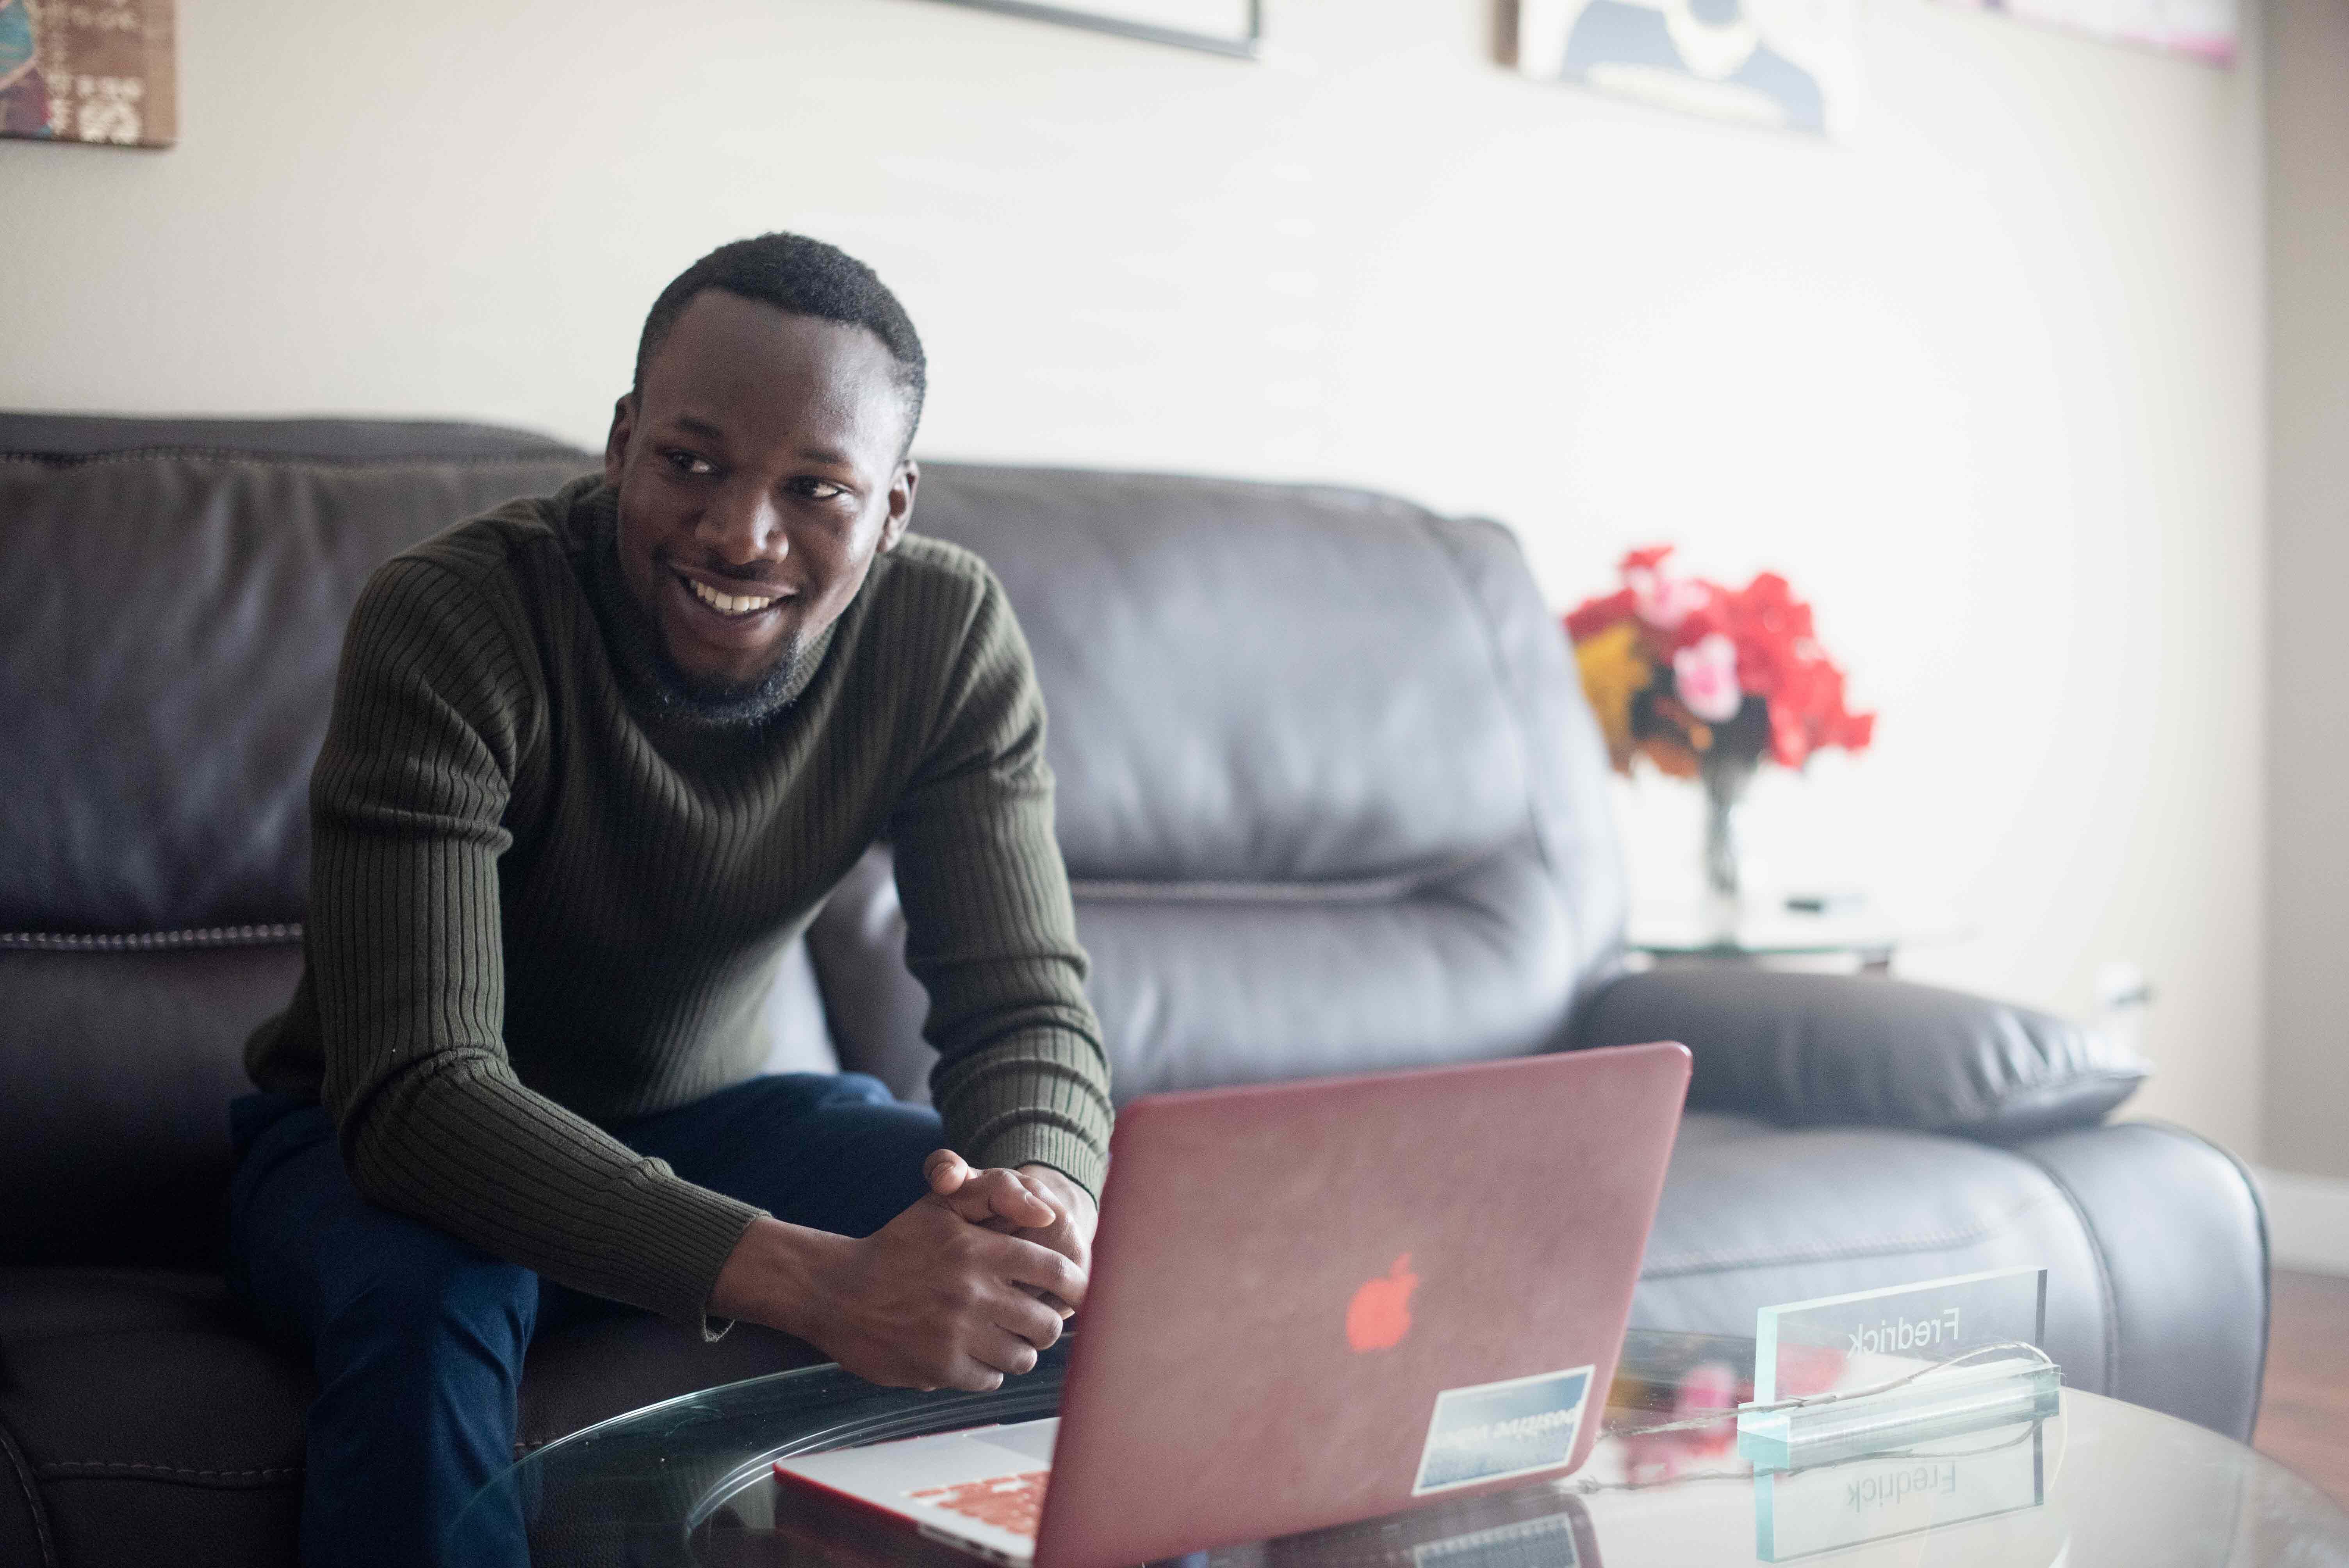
(2308, 861)
(1985, 380)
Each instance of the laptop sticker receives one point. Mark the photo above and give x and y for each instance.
(1490, 1431)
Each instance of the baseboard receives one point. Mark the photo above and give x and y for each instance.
(2308, 1221)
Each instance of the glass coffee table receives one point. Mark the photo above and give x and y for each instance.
(688, 1482)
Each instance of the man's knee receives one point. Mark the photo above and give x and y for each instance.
(416, 1292)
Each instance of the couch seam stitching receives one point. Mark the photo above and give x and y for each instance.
(186, 938)
(272, 459)
(1371, 890)
(2267, 1261)
(1694, 1262)
(57, 1468)
(2105, 1300)
(40, 1514)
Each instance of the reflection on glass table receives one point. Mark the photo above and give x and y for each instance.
(690, 1482)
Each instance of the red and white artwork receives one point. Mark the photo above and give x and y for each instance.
(88, 70)
(2208, 30)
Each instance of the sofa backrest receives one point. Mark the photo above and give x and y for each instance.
(1329, 793)
(173, 596)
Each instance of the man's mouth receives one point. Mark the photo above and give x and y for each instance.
(732, 605)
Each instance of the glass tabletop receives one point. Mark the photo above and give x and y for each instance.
(689, 1482)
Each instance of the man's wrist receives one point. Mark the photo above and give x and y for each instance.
(775, 1277)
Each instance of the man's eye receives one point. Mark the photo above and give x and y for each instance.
(689, 463)
(819, 490)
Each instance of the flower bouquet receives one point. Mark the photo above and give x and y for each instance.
(1706, 683)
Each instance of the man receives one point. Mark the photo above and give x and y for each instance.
(595, 760)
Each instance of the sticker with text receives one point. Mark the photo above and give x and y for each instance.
(1490, 1431)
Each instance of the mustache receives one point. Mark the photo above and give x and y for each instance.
(757, 576)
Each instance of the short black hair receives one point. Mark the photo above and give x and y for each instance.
(802, 277)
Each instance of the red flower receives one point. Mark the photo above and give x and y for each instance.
(1778, 656)
(1595, 615)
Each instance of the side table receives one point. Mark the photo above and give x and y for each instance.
(1780, 931)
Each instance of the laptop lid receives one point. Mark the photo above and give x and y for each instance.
(1321, 1301)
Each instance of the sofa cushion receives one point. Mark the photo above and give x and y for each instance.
(144, 1410)
(1328, 794)
(597, 1371)
(2156, 1275)
(1819, 1050)
(117, 1067)
(170, 621)
(143, 1406)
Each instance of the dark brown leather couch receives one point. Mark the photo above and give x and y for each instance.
(1330, 802)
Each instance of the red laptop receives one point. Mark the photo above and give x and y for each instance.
(1317, 1302)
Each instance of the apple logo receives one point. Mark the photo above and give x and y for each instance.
(1379, 1315)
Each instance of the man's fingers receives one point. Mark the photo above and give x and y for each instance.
(997, 1195)
(1018, 1313)
(974, 1376)
(1026, 1262)
(945, 1172)
(1005, 1352)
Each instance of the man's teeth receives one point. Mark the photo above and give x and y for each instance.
(730, 604)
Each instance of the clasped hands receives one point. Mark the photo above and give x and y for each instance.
(968, 1284)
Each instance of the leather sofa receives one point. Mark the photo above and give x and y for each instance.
(1330, 802)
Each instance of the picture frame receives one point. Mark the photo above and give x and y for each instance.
(94, 72)
(1230, 27)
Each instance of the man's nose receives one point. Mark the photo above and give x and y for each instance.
(743, 526)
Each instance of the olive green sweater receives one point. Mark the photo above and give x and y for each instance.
(536, 906)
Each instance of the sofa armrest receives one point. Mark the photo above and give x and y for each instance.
(1830, 1050)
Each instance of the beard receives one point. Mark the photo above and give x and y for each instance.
(654, 678)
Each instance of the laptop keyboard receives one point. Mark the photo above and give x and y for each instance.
(1012, 1503)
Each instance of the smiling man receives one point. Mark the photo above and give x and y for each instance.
(596, 761)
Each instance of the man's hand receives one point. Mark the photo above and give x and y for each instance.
(1035, 1203)
(928, 1301)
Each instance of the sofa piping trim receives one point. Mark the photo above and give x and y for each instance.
(2106, 1301)
(283, 933)
(1350, 890)
(102, 1470)
(1828, 1252)
(280, 459)
(39, 1514)
(2267, 1257)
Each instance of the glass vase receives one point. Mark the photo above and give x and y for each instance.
(1726, 779)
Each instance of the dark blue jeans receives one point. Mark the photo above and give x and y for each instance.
(418, 1337)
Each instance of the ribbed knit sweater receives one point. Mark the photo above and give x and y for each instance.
(537, 907)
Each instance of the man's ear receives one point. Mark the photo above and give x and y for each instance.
(615, 445)
(901, 504)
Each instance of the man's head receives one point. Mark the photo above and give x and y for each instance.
(760, 462)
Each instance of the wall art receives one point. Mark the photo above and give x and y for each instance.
(1221, 26)
(2208, 30)
(88, 70)
(1791, 63)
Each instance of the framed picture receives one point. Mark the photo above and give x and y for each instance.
(1791, 63)
(1221, 26)
(2206, 30)
(91, 70)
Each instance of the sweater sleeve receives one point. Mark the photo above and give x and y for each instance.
(990, 931)
(435, 709)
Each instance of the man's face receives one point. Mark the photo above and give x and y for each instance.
(759, 474)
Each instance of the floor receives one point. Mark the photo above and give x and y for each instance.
(2304, 1414)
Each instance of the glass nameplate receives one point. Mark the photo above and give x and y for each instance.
(1885, 1367)
(1826, 1508)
